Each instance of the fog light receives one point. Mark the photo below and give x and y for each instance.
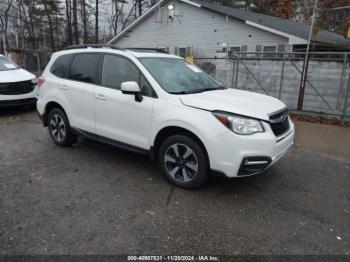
(253, 165)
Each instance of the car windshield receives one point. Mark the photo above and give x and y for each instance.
(176, 76)
(6, 64)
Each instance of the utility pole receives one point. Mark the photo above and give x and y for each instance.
(306, 61)
(307, 54)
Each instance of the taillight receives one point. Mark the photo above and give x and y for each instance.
(40, 81)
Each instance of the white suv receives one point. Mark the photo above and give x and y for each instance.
(156, 103)
(17, 86)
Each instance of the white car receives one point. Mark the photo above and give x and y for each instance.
(159, 104)
(17, 86)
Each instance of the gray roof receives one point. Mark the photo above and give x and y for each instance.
(296, 29)
(287, 26)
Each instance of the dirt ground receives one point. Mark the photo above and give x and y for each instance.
(96, 199)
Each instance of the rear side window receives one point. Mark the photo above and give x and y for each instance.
(85, 68)
(61, 65)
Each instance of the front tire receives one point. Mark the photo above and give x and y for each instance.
(183, 162)
(59, 128)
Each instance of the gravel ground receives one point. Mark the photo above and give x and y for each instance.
(96, 199)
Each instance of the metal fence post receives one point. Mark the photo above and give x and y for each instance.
(237, 71)
(346, 100)
(342, 80)
(249, 65)
(303, 82)
(233, 73)
(282, 78)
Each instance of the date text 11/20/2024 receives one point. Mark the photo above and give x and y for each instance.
(173, 258)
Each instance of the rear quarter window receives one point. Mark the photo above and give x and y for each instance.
(61, 65)
(85, 68)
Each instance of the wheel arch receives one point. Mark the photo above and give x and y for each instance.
(168, 131)
(49, 106)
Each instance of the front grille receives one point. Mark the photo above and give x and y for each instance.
(20, 102)
(17, 88)
(279, 122)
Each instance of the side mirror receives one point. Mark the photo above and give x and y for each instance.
(132, 88)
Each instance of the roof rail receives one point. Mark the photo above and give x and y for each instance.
(92, 46)
(146, 49)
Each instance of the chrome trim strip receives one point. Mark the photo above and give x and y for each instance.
(252, 163)
(279, 111)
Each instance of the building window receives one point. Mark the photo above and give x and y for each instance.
(182, 51)
(234, 51)
(269, 50)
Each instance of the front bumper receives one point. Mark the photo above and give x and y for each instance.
(229, 152)
(18, 102)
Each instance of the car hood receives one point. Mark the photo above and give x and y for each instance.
(17, 75)
(236, 102)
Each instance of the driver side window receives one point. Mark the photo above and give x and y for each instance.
(117, 69)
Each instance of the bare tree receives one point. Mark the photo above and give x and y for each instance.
(62, 20)
(49, 8)
(75, 22)
(84, 16)
(96, 20)
(4, 20)
(69, 22)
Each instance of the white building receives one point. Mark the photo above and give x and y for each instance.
(186, 27)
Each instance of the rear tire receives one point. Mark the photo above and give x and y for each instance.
(183, 162)
(59, 128)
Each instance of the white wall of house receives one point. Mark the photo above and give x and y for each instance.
(202, 30)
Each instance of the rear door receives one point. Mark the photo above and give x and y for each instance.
(83, 78)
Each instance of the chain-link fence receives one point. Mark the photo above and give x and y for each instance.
(276, 74)
(33, 61)
(279, 75)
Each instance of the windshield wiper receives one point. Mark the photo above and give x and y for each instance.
(209, 89)
(213, 89)
(198, 91)
(179, 93)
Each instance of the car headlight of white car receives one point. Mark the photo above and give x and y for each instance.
(239, 124)
(34, 81)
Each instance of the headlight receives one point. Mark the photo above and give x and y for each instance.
(34, 82)
(239, 124)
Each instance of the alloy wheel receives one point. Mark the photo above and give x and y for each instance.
(58, 127)
(181, 162)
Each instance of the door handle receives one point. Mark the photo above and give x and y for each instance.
(101, 97)
(64, 87)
